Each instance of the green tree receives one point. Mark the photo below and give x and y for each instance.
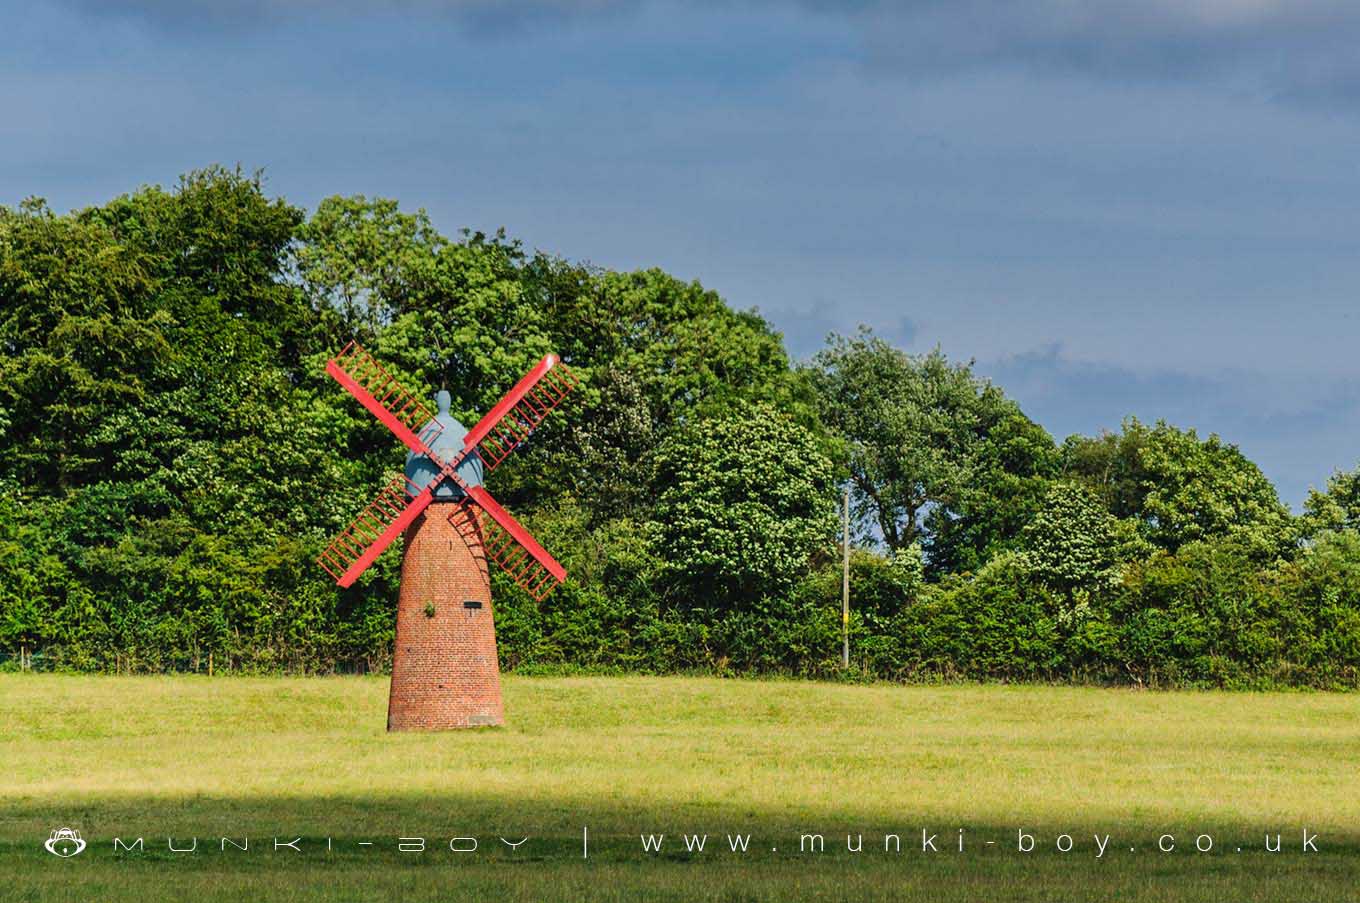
(1008, 471)
(436, 312)
(1181, 488)
(609, 453)
(1334, 509)
(744, 501)
(687, 350)
(1074, 545)
(366, 260)
(172, 458)
(921, 435)
(82, 337)
(160, 433)
(657, 353)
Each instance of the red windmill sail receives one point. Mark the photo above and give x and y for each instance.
(522, 409)
(359, 544)
(399, 410)
(505, 427)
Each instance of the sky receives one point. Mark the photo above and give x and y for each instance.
(1115, 208)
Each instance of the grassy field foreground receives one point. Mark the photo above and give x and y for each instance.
(260, 758)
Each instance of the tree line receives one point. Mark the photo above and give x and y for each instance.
(173, 458)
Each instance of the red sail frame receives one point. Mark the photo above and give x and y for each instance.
(524, 407)
(383, 397)
(501, 530)
(377, 527)
(504, 428)
(487, 535)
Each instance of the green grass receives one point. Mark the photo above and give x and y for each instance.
(191, 756)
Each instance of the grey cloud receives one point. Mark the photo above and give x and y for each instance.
(1295, 50)
(190, 15)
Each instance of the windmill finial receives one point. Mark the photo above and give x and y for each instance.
(442, 400)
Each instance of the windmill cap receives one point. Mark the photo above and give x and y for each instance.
(444, 435)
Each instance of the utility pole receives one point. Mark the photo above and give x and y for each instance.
(845, 583)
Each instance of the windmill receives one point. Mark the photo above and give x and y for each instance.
(444, 667)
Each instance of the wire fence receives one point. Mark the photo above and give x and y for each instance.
(209, 663)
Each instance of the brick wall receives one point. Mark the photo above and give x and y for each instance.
(444, 670)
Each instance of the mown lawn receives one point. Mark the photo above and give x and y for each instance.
(260, 758)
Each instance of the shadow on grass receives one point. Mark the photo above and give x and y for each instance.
(347, 848)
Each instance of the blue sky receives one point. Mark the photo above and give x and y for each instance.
(1115, 207)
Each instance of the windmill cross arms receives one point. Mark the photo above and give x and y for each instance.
(509, 423)
(501, 431)
(400, 411)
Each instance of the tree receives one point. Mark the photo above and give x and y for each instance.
(81, 336)
(1335, 509)
(160, 433)
(366, 260)
(1007, 474)
(172, 459)
(744, 500)
(687, 350)
(1073, 544)
(657, 353)
(437, 312)
(1182, 489)
(609, 452)
(922, 434)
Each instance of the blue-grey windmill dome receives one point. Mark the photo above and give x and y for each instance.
(447, 445)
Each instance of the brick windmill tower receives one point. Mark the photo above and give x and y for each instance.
(444, 668)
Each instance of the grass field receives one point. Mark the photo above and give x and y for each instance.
(188, 757)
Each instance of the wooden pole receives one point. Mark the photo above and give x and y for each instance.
(845, 583)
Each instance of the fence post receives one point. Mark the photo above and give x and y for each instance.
(845, 583)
